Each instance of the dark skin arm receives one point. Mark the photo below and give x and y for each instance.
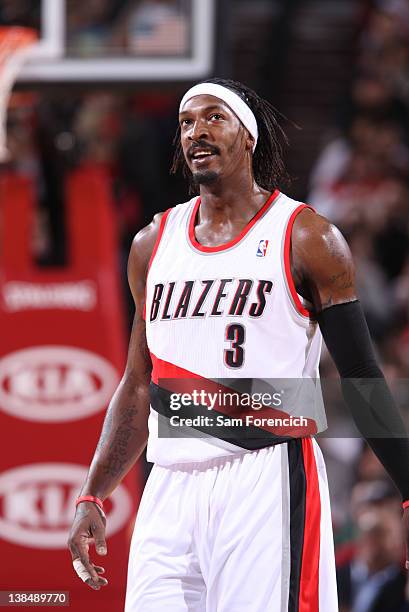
(323, 272)
(125, 430)
(322, 265)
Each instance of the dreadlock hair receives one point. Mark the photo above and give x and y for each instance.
(268, 166)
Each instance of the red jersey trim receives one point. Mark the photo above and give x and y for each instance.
(159, 237)
(287, 264)
(155, 248)
(234, 241)
(178, 380)
(310, 566)
(165, 369)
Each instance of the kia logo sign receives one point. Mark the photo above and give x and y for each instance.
(55, 383)
(37, 504)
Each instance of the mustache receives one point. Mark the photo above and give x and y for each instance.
(202, 144)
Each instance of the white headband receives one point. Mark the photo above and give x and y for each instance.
(238, 106)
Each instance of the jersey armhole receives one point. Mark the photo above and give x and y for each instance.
(295, 298)
(154, 251)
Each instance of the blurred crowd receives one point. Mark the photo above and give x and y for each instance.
(134, 27)
(361, 179)
(360, 182)
(115, 27)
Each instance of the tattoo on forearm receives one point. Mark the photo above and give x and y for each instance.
(120, 435)
(105, 430)
(118, 449)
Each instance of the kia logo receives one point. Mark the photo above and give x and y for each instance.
(55, 383)
(37, 504)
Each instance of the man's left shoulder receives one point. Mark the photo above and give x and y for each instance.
(307, 220)
(321, 256)
(313, 231)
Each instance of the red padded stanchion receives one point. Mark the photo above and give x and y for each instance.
(62, 352)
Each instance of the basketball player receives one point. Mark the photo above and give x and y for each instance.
(237, 283)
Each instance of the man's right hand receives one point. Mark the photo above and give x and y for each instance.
(88, 527)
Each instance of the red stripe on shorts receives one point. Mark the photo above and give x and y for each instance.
(309, 580)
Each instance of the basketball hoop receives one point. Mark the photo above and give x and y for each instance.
(15, 46)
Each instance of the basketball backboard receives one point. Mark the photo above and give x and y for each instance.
(121, 41)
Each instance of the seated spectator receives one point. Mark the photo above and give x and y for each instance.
(374, 580)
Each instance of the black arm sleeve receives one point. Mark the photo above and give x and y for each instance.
(365, 390)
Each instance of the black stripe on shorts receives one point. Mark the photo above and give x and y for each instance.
(298, 488)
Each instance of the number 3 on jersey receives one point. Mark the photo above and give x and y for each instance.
(234, 356)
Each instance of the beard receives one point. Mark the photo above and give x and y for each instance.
(205, 177)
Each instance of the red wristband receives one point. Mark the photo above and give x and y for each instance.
(89, 498)
(405, 504)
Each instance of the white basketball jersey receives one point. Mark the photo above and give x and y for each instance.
(226, 312)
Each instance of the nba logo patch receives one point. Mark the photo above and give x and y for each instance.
(262, 248)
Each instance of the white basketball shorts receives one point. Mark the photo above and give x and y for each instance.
(249, 533)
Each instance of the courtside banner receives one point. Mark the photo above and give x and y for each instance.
(62, 353)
